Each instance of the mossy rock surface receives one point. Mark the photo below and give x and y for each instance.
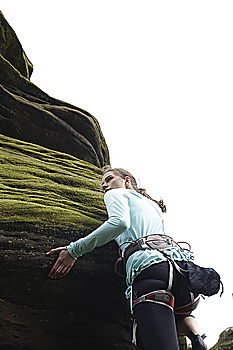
(182, 343)
(225, 341)
(49, 198)
(29, 114)
(47, 191)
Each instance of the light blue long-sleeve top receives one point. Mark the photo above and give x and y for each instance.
(131, 216)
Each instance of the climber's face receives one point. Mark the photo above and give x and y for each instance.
(110, 181)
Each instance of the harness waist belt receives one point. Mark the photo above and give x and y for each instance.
(132, 249)
(153, 241)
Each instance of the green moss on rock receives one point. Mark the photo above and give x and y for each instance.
(225, 341)
(45, 190)
(182, 343)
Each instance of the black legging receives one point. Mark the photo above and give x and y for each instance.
(156, 322)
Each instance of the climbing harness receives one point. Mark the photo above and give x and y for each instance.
(159, 296)
(185, 310)
(162, 297)
(161, 242)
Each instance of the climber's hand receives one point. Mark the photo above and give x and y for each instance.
(63, 264)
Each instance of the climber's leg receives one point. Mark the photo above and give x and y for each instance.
(188, 326)
(156, 322)
(156, 326)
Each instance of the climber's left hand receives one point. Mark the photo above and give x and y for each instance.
(63, 264)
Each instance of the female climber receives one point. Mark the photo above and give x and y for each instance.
(160, 300)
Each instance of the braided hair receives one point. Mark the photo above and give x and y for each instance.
(123, 173)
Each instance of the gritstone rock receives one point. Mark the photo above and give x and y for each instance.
(225, 341)
(29, 114)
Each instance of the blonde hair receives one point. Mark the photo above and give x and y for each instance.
(123, 173)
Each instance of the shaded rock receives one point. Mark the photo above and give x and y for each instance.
(11, 49)
(182, 343)
(29, 114)
(225, 341)
(48, 199)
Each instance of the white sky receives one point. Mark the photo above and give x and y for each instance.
(158, 76)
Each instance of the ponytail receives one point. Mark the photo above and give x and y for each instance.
(160, 203)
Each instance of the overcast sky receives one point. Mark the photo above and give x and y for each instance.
(158, 76)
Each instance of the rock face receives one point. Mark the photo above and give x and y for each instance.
(29, 114)
(11, 49)
(225, 341)
(49, 197)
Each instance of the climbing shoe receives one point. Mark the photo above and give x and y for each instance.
(197, 341)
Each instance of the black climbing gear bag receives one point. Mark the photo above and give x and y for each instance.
(203, 280)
